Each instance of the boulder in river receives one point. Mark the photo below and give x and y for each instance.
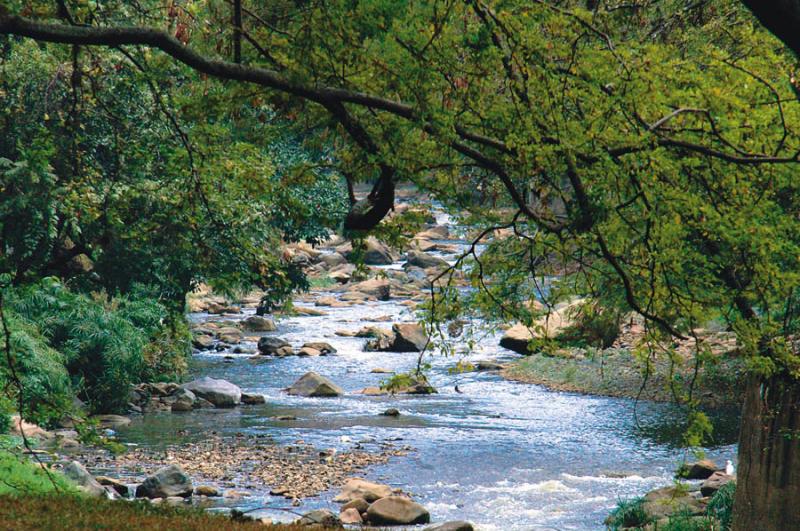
(488, 365)
(374, 287)
(397, 510)
(409, 337)
(271, 344)
(221, 393)
(715, 482)
(457, 525)
(701, 469)
(181, 400)
(359, 504)
(351, 516)
(356, 488)
(517, 339)
(376, 253)
(252, 399)
(666, 501)
(323, 347)
(85, 482)
(436, 232)
(424, 260)
(168, 481)
(256, 323)
(312, 384)
(202, 342)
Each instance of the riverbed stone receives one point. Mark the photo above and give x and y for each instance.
(667, 501)
(356, 488)
(376, 253)
(333, 259)
(168, 481)
(182, 400)
(424, 260)
(701, 469)
(271, 344)
(435, 232)
(221, 393)
(715, 482)
(323, 347)
(202, 342)
(256, 323)
(207, 490)
(457, 525)
(517, 338)
(488, 365)
(397, 510)
(81, 477)
(116, 485)
(409, 337)
(351, 516)
(252, 399)
(322, 517)
(391, 412)
(359, 504)
(375, 287)
(312, 384)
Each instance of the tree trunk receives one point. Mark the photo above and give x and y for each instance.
(768, 482)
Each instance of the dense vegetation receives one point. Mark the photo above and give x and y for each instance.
(643, 153)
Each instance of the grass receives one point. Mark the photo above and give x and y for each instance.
(18, 475)
(81, 513)
(628, 513)
(615, 372)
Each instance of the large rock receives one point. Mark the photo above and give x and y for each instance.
(182, 400)
(312, 384)
(271, 344)
(437, 232)
(333, 259)
(424, 260)
(85, 482)
(409, 337)
(715, 482)
(666, 501)
(397, 510)
(221, 393)
(256, 323)
(357, 488)
(322, 346)
(169, 481)
(458, 525)
(518, 336)
(322, 517)
(351, 516)
(375, 287)
(701, 469)
(376, 253)
(517, 339)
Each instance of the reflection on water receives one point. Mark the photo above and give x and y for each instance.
(504, 455)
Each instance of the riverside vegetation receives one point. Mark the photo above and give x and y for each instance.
(638, 159)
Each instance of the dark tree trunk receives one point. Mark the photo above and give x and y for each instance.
(768, 482)
(237, 31)
(368, 212)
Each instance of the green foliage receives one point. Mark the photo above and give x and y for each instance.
(20, 476)
(65, 342)
(592, 326)
(721, 505)
(628, 513)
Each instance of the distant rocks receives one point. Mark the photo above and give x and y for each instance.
(312, 384)
(357, 488)
(252, 399)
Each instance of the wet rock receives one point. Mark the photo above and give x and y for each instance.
(356, 297)
(271, 344)
(381, 370)
(391, 412)
(359, 504)
(374, 391)
(436, 232)
(345, 333)
(488, 365)
(517, 339)
(221, 393)
(376, 253)
(116, 485)
(168, 481)
(252, 399)
(701, 469)
(409, 337)
(715, 482)
(202, 342)
(333, 259)
(322, 517)
(312, 384)
(351, 516)
(667, 501)
(356, 488)
(311, 312)
(256, 323)
(207, 490)
(309, 351)
(323, 347)
(424, 260)
(284, 351)
(378, 288)
(397, 510)
(81, 477)
(341, 276)
(458, 525)
(217, 308)
(182, 400)
(418, 386)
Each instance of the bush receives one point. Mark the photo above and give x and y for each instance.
(628, 513)
(94, 346)
(593, 326)
(721, 505)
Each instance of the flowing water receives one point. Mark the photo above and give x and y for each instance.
(503, 455)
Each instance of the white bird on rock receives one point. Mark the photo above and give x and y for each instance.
(729, 467)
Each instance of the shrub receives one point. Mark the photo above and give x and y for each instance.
(721, 505)
(628, 513)
(102, 344)
(593, 326)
